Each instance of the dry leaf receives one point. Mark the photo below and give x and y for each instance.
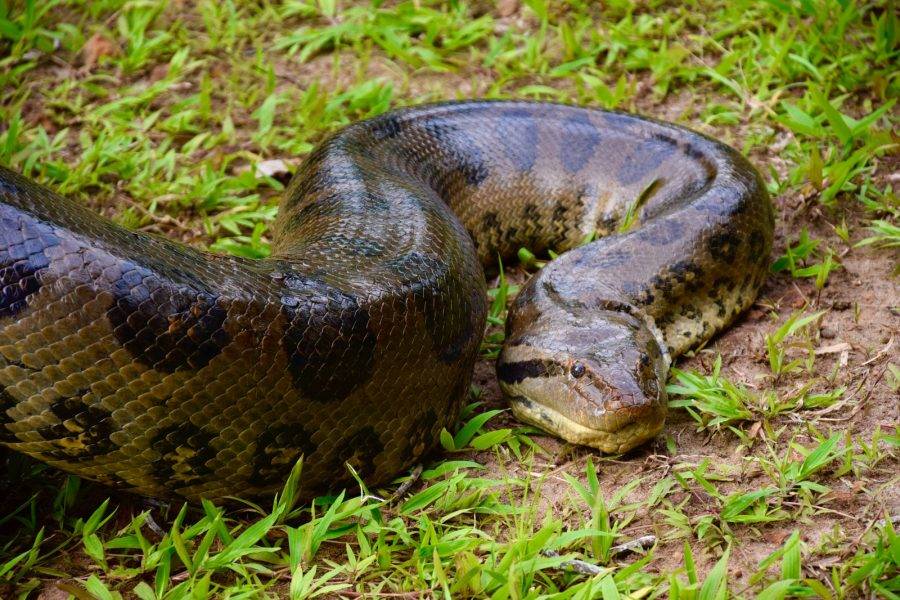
(272, 168)
(506, 8)
(754, 429)
(777, 536)
(51, 592)
(834, 348)
(159, 72)
(95, 48)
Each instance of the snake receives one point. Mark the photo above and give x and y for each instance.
(166, 370)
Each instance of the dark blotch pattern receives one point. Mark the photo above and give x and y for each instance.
(529, 230)
(757, 248)
(22, 259)
(559, 212)
(422, 433)
(724, 245)
(458, 156)
(579, 139)
(166, 325)
(385, 127)
(277, 450)
(681, 276)
(687, 272)
(360, 452)
(6, 403)
(491, 226)
(645, 159)
(448, 313)
(665, 139)
(83, 431)
(330, 349)
(518, 133)
(531, 215)
(184, 453)
(695, 154)
(519, 371)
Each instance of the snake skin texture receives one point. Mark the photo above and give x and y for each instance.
(158, 368)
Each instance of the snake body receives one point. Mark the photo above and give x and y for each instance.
(162, 369)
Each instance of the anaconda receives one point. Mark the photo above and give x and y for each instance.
(156, 367)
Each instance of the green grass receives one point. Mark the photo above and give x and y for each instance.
(158, 115)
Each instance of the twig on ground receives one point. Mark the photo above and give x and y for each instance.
(586, 568)
(641, 543)
(579, 566)
(404, 487)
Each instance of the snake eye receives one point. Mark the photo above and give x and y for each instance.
(577, 370)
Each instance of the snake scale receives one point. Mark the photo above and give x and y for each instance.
(159, 368)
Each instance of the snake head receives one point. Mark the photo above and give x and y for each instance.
(595, 378)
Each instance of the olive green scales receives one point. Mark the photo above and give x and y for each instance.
(155, 367)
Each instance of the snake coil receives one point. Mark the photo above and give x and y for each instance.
(159, 368)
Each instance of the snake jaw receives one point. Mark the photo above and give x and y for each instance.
(618, 441)
(611, 414)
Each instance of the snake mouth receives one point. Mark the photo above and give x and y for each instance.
(622, 439)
